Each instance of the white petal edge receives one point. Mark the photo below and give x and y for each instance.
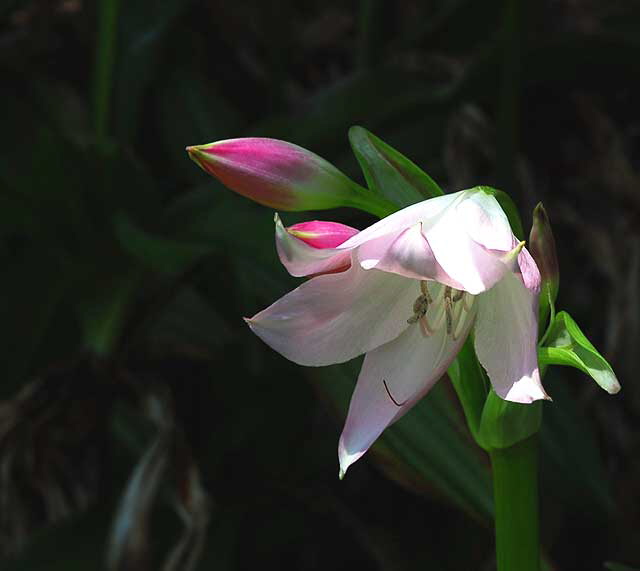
(505, 336)
(335, 317)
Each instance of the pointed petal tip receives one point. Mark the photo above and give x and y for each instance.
(341, 474)
(614, 387)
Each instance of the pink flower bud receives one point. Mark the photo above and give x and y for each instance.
(277, 174)
(320, 234)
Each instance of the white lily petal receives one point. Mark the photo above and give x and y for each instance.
(428, 210)
(468, 262)
(485, 222)
(407, 254)
(505, 336)
(410, 365)
(335, 317)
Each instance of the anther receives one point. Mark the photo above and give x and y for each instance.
(425, 291)
(448, 306)
(386, 388)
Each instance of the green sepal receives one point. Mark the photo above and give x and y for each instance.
(509, 207)
(388, 172)
(565, 344)
(504, 423)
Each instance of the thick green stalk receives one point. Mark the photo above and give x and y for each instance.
(103, 69)
(515, 489)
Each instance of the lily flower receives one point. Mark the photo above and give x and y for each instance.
(407, 291)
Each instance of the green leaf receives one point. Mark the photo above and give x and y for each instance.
(569, 447)
(104, 312)
(163, 255)
(426, 449)
(142, 28)
(565, 344)
(505, 423)
(388, 172)
(611, 566)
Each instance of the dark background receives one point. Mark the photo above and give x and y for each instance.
(142, 425)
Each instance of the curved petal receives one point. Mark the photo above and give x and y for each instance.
(529, 271)
(335, 317)
(485, 222)
(427, 210)
(468, 262)
(410, 365)
(506, 334)
(407, 254)
(300, 259)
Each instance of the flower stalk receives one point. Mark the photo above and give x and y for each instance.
(515, 490)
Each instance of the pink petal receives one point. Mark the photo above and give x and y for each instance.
(335, 317)
(321, 234)
(410, 365)
(506, 334)
(301, 259)
(529, 271)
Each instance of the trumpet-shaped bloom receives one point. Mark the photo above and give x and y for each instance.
(407, 291)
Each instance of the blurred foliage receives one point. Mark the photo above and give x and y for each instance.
(142, 426)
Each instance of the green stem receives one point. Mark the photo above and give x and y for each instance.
(103, 70)
(515, 489)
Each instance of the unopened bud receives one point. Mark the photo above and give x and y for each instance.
(281, 175)
(543, 249)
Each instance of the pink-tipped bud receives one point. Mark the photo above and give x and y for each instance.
(543, 250)
(320, 234)
(276, 173)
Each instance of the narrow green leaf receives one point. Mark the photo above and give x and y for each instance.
(569, 446)
(611, 566)
(567, 345)
(388, 172)
(142, 29)
(103, 315)
(164, 255)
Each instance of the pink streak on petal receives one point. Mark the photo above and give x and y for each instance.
(410, 365)
(506, 334)
(335, 317)
(320, 234)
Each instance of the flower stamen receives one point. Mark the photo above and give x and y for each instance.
(421, 304)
